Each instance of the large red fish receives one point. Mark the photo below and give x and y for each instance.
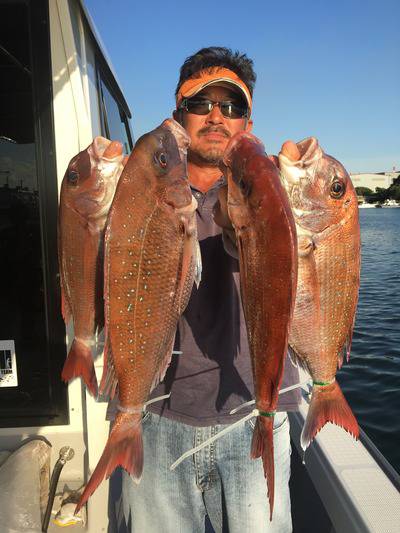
(325, 208)
(151, 261)
(87, 191)
(266, 239)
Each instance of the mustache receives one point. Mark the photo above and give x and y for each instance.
(214, 129)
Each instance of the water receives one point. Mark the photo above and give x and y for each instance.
(371, 380)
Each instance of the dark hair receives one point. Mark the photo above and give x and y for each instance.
(218, 56)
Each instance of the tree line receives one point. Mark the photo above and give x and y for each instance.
(380, 194)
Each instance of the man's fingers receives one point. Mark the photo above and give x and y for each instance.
(274, 159)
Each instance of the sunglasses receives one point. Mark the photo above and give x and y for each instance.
(203, 107)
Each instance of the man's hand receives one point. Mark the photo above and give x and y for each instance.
(274, 159)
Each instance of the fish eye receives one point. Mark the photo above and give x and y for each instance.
(162, 159)
(337, 189)
(73, 177)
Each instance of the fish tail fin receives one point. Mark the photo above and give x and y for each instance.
(79, 362)
(262, 445)
(328, 405)
(124, 448)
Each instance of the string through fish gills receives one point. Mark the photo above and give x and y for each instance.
(134, 410)
(254, 412)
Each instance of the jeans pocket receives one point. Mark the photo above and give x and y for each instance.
(280, 421)
(146, 417)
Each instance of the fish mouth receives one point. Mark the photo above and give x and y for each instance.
(309, 150)
(107, 150)
(181, 136)
(234, 144)
(99, 146)
(294, 170)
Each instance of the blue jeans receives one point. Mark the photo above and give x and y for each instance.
(220, 481)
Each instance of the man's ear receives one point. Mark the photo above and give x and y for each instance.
(249, 125)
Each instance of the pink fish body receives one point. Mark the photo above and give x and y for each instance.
(151, 261)
(259, 210)
(87, 191)
(325, 208)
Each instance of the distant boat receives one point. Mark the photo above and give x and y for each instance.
(390, 203)
(364, 205)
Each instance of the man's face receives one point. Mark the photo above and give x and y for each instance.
(210, 133)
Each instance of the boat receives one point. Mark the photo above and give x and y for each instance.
(344, 479)
(364, 205)
(61, 92)
(60, 99)
(390, 203)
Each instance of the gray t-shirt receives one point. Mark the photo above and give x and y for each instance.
(213, 374)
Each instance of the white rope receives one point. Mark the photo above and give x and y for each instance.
(157, 399)
(134, 410)
(212, 439)
(286, 389)
(232, 426)
(241, 406)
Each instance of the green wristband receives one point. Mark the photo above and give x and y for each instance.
(323, 383)
(265, 413)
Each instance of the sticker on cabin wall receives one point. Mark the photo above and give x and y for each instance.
(8, 365)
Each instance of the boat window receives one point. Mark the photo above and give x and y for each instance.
(93, 86)
(75, 23)
(31, 335)
(115, 121)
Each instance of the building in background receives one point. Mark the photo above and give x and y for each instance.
(374, 180)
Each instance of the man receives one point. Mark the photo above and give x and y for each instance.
(211, 373)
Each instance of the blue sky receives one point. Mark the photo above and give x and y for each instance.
(325, 68)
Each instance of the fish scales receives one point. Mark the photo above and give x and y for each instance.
(261, 320)
(326, 212)
(145, 302)
(259, 210)
(325, 329)
(151, 261)
(82, 267)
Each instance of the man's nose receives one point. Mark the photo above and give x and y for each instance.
(215, 116)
